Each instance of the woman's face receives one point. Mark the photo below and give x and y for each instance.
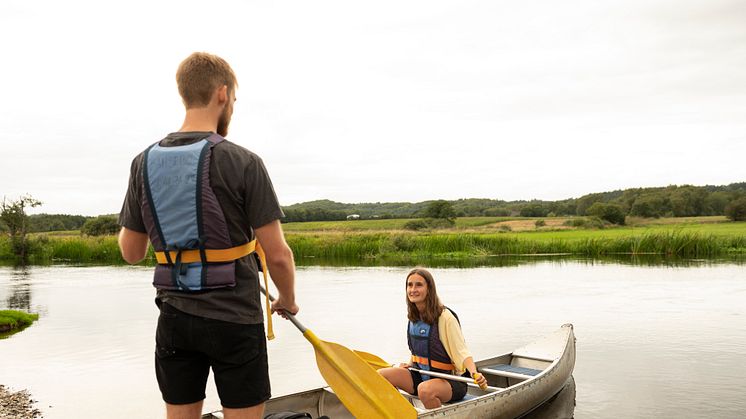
(416, 289)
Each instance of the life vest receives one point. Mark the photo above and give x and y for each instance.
(184, 220)
(428, 352)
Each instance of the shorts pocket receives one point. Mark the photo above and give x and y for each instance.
(164, 335)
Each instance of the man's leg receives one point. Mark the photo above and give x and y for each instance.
(184, 411)
(253, 412)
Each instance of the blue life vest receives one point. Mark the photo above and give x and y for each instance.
(428, 352)
(184, 220)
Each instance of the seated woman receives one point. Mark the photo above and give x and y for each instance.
(436, 343)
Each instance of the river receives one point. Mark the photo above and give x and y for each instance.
(652, 341)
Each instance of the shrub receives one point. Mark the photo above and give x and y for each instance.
(100, 226)
(429, 223)
(505, 228)
(589, 222)
(540, 223)
(415, 225)
(612, 213)
(736, 210)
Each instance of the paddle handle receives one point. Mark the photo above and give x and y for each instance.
(468, 381)
(289, 316)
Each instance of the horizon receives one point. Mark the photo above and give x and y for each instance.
(36, 212)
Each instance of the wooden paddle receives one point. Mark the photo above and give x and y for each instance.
(377, 362)
(364, 392)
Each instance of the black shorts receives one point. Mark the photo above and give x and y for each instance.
(458, 388)
(187, 346)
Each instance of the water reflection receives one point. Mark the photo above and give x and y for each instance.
(519, 260)
(19, 297)
(561, 406)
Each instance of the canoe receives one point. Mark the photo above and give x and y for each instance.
(520, 381)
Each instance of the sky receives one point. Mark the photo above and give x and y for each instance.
(385, 101)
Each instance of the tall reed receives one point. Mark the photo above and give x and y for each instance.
(405, 246)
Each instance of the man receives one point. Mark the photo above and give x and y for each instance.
(200, 200)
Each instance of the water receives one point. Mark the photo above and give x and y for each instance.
(652, 341)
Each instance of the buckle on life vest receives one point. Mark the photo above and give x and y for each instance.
(435, 364)
(184, 256)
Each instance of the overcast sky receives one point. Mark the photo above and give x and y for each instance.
(382, 101)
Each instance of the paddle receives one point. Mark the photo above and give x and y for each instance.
(364, 392)
(377, 362)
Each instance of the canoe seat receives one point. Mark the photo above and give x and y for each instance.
(505, 370)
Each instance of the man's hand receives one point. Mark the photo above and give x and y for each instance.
(281, 307)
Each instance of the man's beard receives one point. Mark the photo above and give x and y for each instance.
(223, 123)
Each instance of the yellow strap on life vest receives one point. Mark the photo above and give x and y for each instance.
(227, 255)
(213, 255)
(435, 364)
(265, 271)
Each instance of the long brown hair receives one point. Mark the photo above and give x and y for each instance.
(433, 307)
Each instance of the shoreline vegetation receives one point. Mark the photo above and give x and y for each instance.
(388, 240)
(12, 321)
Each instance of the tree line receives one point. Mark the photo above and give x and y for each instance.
(613, 206)
(669, 201)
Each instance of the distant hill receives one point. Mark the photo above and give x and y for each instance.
(673, 200)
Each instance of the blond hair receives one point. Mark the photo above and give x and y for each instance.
(199, 75)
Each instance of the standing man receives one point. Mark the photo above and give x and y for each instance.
(205, 204)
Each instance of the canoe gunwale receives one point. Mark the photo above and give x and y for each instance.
(564, 363)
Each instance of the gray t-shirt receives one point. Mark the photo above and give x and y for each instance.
(243, 188)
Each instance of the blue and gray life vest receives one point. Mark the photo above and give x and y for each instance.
(184, 220)
(428, 352)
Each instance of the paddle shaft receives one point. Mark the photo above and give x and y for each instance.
(289, 316)
(468, 381)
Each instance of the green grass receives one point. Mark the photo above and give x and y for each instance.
(362, 241)
(454, 245)
(12, 319)
(383, 225)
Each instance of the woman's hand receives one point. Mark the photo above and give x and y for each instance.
(479, 380)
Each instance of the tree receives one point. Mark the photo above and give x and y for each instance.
(612, 213)
(534, 210)
(13, 215)
(440, 209)
(651, 205)
(736, 210)
(100, 226)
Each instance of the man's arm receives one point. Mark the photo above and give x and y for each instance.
(133, 245)
(280, 263)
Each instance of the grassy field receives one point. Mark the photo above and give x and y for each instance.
(387, 241)
(489, 236)
(385, 225)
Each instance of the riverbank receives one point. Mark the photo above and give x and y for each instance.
(387, 242)
(11, 320)
(17, 405)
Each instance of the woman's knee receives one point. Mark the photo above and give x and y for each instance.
(432, 393)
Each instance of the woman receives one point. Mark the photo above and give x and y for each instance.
(435, 340)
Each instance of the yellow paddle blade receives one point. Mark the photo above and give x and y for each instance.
(364, 392)
(373, 360)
